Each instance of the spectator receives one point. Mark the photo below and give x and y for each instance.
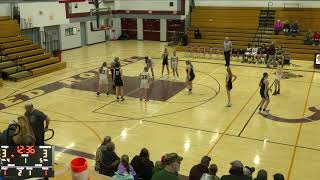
(271, 54)
(159, 165)
(212, 175)
(316, 38)
(279, 54)
(248, 171)
(110, 160)
(286, 27)
(11, 131)
(227, 47)
(36, 119)
(236, 172)
(308, 38)
(247, 53)
(278, 26)
(262, 53)
(262, 175)
(198, 170)
(124, 167)
(294, 28)
(142, 165)
(254, 54)
(278, 176)
(99, 152)
(197, 34)
(171, 169)
(185, 39)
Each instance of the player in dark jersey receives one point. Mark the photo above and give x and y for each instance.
(165, 62)
(229, 79)
(118, 80)
(264, 92)
(190, 76)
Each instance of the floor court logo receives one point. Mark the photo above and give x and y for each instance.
(315, 116)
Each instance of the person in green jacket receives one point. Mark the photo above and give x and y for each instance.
(171, 168)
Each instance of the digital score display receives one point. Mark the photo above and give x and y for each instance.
(27, 161)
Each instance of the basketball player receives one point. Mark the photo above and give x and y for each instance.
(113, 64)
(190, 76)
(279, 74)
(165, 55)
(149, 64)
(174, 65)
(229, 80)
(144, 84)
(118, 81)
(264, 89)
(103, 78)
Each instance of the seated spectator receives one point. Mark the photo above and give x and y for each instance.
(308, 38)
(278, 176)
(125, 170)
(262, 55)
(212, 175)
(286, 58)
(99, 152)
(199, 169)
(185, 39)
(248, 171)
(316, 38)
(247, 53)
(11, 131)
(110, 160)
(294, 28)
(236, 172)
(159, 165)
(197, 34)
(262, 175)
(171, 169)
(286, 27)
(142, 165)
(254, 53)
(279, 54)
(278, 26)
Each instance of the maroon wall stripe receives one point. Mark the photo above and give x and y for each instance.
(86, 14)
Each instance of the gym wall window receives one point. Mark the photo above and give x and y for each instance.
(71, 31)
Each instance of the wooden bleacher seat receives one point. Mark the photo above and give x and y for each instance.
(4, 18)
(15, 44)
(34, 58)
(20, 58)
(24, 54)
(20, 49)
(49, 68)
(11, 39)
(42, 63)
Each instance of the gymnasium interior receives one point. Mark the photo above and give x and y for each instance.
(51, 56)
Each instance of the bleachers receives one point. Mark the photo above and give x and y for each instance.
(19, 57)
(241, 26)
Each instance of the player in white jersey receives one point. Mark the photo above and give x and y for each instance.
(149, 64)
(103, 78)
(174, 65)
(144, 84)
(279, 74)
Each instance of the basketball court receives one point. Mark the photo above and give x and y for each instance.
(173, 121)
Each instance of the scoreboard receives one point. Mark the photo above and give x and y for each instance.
(27, 161)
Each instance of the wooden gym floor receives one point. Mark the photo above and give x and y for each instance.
(287, 141)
